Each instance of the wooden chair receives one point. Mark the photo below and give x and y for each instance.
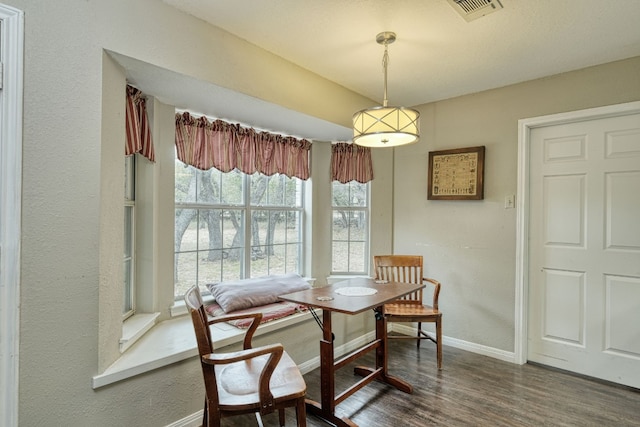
(253, 380)
(408, 269)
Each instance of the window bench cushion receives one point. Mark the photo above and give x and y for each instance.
(269, 312)
(240, 294)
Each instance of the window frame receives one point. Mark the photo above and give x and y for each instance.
(129, 285)
(163, 318)
(248, 208)
(367, 231)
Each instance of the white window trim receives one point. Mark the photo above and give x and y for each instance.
(149, 278)
(12, 54)
(131, 203)
(366, 209)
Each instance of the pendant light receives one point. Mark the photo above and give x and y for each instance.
(386, 126)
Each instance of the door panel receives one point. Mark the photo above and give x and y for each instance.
(564, 202)
(584, 248)
(622, 200)
(564, 306)
(622, 315)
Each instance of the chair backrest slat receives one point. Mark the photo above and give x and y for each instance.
(400, 268)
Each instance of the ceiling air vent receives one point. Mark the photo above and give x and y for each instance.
(474, 9)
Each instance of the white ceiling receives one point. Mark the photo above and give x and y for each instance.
(437, 54)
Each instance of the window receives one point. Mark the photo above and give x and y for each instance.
(233, 225)
(129, 235)
(350, 228)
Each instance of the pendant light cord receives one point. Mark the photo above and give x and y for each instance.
(385, 63)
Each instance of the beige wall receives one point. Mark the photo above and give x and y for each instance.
(381, 208)
(71, 240)
(71, 192)
(470, 245)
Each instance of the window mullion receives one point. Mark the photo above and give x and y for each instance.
(248, 212)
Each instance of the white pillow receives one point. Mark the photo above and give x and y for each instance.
(238, 294)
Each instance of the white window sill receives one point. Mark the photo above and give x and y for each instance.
(135, 327)
(174, 340)
(335, 278)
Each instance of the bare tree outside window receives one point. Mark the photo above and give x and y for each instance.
(350, 228)
(233, 225)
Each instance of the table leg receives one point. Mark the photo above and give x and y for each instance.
(381, 334)
(327, 371)
(327, 406)
(382, 357)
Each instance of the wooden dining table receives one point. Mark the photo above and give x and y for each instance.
(351, 297)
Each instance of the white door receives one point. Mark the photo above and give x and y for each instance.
(584, 248)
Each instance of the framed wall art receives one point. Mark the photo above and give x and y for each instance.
(456, 174)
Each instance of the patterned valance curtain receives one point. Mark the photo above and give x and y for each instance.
(225, 146)
(351, 162)
(138, 138)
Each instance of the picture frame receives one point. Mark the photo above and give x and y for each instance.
(456, 174)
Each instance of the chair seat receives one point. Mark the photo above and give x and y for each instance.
(404, 310)
(235, 382)
(238, 382)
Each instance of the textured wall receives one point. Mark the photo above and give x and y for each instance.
(470, 245)
(67, 180)
(72, 194)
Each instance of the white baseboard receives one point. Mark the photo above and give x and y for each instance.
(193, 420)
(503, 355)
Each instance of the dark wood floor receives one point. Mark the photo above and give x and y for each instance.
(471, 390)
